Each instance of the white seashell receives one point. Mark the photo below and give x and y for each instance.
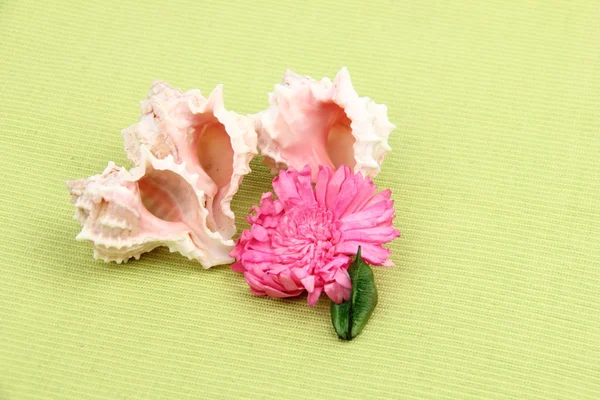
(127, 213)
(322, 123)
(200, 133)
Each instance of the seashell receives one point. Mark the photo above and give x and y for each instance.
(127, 213)
(322, 123)
(214, 143)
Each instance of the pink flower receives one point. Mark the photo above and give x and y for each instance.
(305, 238)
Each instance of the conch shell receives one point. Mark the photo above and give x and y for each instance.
(326, 123)
(212, 142)
(190, 156)
(127, 213)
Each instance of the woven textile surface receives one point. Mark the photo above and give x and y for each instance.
(495, 171)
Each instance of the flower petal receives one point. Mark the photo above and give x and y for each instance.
(343, 278)
(335, 292)
(259, 233)
(237, 266)
(271, 221)
(383, 196)
(367, 218)
(365, 191)
(340, 261)
(257, 292)
(253, 256)
(335, 183)
(374, 254)
(309, 283)
(272, 292)
(289, 283)
(266, 204)
(314, 296)
(253, 282)
(321, 186)
(347, 293)
(378, 235)
(284, 186)
(304, 187)
(347, 194)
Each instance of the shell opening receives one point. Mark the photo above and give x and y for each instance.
(340, 141)
(213, 149)
(168, 196)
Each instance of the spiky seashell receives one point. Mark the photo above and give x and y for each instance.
(214, 143)
(127, 213)
(326, 123)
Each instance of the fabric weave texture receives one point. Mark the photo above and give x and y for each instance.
(495, 173)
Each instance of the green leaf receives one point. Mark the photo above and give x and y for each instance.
(350, 317)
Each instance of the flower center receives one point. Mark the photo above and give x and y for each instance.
(312, 233)
(314, 223)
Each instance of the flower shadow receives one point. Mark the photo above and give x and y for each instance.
(253, 186)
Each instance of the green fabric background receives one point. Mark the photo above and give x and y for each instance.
(495, 171)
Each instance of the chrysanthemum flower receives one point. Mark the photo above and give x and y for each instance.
(304, 239)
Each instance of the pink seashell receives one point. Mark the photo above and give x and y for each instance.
(127, 213)
(324, 123)
(199, 132)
